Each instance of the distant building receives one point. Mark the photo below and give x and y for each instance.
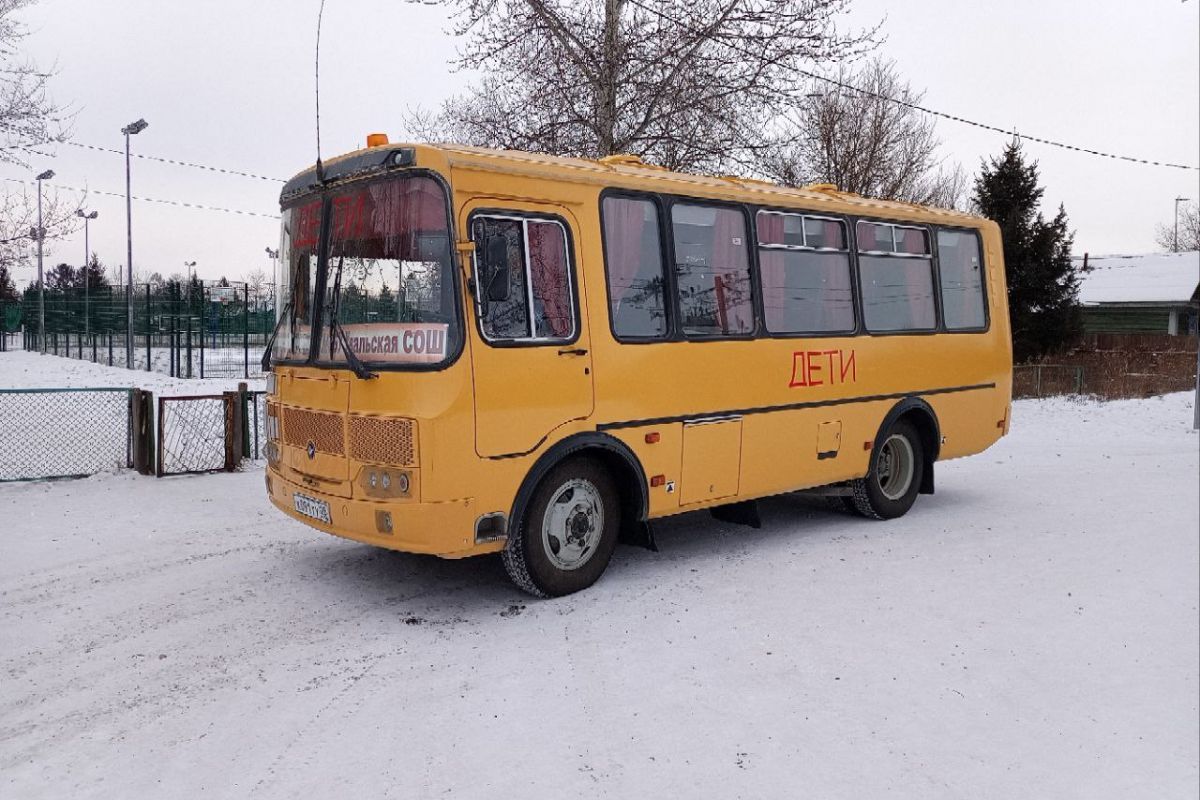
(1156, 293)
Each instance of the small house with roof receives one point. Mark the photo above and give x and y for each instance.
(1156, 293)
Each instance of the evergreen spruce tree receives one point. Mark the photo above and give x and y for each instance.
(1043, 282)
(8, 289)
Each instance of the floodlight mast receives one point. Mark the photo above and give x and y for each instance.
(131, 129)
(86, 217)
(40, 235)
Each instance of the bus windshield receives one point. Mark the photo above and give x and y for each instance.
(388, 277)
(389, 280)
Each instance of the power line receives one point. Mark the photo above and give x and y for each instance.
(923, 109)
(85, 146)
(175, 162)
(179, 203)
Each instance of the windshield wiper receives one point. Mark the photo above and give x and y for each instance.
(338, 333)
(283, 315)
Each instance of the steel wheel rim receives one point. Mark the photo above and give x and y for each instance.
(573, 523)
(894, 467)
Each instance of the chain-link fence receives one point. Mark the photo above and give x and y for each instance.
(195, 329)
(193, 434)
(208, 433)
(63, 433)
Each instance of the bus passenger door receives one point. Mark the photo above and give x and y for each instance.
(530, 355)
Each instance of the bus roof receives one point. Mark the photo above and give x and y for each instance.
(630, 172)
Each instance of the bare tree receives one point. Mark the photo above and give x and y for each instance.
(685, 84)
(18, 220)
(852, 134)
(28, 118)
(256, 281)
(28, 115)
(1189, 231)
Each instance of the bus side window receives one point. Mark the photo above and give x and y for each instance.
(960, 266)
(895, 269)
(805, 273)
(712, 268)
(633, 260)
(536, 304)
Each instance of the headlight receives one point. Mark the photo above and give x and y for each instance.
(384, 483)
(271, 383)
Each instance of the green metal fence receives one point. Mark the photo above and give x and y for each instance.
(193, 330)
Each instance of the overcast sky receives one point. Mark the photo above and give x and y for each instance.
(229, 83)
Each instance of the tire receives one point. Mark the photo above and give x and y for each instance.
(568, 532)
(897, 464)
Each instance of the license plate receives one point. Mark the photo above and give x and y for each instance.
(311, 507)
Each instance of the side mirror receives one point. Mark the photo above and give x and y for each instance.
(495, 269)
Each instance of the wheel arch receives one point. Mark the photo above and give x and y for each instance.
(617, 458)
(921, 416)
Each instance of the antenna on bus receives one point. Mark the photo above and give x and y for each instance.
(317, 77)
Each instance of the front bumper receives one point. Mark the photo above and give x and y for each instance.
(443, 529)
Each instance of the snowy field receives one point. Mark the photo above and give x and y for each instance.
(1029, 631)
(32, 370)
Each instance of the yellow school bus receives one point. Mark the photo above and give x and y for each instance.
(486, 351)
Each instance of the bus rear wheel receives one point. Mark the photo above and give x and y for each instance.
(568, 533)
(890, 487)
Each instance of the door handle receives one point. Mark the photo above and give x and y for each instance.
(574, 351)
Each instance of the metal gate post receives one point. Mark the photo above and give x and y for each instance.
(203, 303)
(243, 408)
(148, 357)
(143, 431)
(246, 332)
(233, 431)
(158, 470)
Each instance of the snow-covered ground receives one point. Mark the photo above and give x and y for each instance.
(32, 370)
(1028, 631)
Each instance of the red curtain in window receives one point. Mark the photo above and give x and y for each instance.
(624, 221)
(917, 277)
(548, 268)
(773, 264)
(730, 268)
(831, 234)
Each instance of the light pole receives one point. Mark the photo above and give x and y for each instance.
(41, 236)
(190, 266)
(1175, 240)
(274, 256)
(87, 329)
(131, 129)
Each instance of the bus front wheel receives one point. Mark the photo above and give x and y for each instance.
(568, 532)
(890, 487)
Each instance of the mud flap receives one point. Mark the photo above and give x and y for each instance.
(639, 534)
(743, 513)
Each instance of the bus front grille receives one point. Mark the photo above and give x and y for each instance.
(324, 431)
(381, 440)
